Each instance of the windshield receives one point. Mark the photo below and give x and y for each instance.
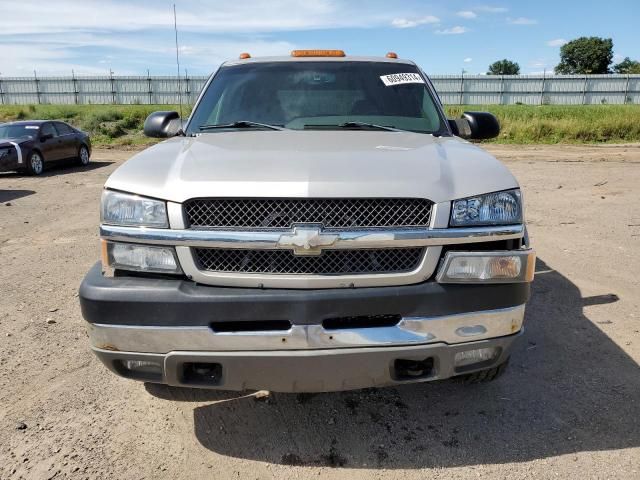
(18, 131)
(319, 95)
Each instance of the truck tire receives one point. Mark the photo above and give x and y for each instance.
(484, 376)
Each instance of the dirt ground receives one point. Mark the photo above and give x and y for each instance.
(569, 406)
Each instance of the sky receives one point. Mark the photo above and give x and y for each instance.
(130, 37)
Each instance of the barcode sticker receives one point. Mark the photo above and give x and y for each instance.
(401, 78)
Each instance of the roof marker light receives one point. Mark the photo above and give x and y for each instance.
(392, 55)
(244, 56)
(317, 53)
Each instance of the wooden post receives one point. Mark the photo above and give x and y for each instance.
(626, 90)
(150, 92)
(75, 87)
(113, 88)
(35, 76)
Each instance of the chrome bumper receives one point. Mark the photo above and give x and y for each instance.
(449, 329)
(306, 370)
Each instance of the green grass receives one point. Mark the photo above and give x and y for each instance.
(521, 124)
(524, 124)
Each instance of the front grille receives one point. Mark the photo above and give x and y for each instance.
(330, 262)
(283, 213)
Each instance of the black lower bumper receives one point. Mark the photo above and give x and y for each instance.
(166, 302)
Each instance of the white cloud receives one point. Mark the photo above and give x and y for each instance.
(414, 22)
(558, 42)
(250, 16)
(489, 9)
(467, 14)
(468, 60)
(538, 63)
(617, 58)
(67, 34)
(522, 21)
(457, 30)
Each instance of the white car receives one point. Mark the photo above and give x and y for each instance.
(316, 225)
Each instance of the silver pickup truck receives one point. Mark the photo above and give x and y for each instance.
(317, 224)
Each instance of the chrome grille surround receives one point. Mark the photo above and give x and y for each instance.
(430, 238)
(284, 213)
(329, 262)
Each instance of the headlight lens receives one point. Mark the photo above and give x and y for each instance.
(500, 208)
(142, 258)
(512, 266)
(131, 210)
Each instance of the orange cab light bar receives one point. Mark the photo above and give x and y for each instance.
(392, 55)
(244, 56)
(317, 53)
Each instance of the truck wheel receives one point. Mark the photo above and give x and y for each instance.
(83, 155)
(35, 163)
(484, 376)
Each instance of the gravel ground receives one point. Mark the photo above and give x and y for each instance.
(569, 406)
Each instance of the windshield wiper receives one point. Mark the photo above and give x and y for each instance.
(371, 126)
(240, 124)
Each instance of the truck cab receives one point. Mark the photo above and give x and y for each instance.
(317, 224)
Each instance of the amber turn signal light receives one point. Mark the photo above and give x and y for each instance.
(317, 53)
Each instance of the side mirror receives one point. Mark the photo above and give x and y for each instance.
(476, 126)
(163, 125)
(45, 137)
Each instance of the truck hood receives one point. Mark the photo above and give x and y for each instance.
(292, 163)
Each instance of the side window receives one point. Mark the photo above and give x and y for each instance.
(63, 128)
(47, 129)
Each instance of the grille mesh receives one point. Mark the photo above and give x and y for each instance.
(339, 262)
(330, 212)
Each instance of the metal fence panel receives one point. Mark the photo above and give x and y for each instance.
(453, 89)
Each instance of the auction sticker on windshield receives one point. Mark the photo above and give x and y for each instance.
(401, 78)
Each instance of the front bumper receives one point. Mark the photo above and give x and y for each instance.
(9, 161)
(173, 325)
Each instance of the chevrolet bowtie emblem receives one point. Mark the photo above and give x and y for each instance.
(307, 240)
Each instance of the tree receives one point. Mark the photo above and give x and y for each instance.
(627, 66)
(504, 67)
(586, 55)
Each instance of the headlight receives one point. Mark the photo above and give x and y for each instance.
(141, 258)
(509, 266)
(500, 208)
(132, 210)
